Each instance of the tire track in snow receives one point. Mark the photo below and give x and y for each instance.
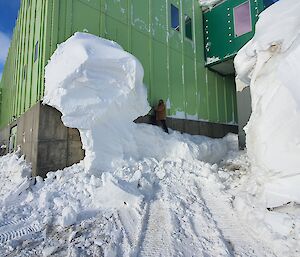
(237, 235)
(14, 231)
(13, 222)
(196, 233)
(158, 232)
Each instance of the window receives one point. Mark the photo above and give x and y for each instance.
(188, 27)
(175, 17)
(36, 51)
(242, 19)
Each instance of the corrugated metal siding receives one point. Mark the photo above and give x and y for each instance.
(174, 64)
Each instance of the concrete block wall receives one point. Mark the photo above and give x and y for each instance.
(45, 142)
(58, 146)
(4, 139)
(214, 130)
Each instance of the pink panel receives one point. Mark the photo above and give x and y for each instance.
(242, 19)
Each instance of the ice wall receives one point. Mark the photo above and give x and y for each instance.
(99, 89)
(269, 63)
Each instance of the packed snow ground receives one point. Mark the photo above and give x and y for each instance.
(167, 207)
(155, 194)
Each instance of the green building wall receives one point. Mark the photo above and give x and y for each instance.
(174, 65)
(219, 27)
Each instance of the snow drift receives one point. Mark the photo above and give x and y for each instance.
(98, 88)
(269, 63)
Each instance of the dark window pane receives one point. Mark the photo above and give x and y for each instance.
(188, 27)
(242, 19)
(174, 17)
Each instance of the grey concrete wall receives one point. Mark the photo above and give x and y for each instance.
(58, 146)
(214, 130)
(45, 142)
(4, 139)
(27, 134)
(244, 112)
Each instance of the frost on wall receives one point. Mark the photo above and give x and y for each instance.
(269, 63)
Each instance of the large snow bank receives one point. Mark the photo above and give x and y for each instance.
(269, 63)
(99, 90)
(74, 213)
(14, 174)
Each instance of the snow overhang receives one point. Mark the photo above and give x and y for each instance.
(209, 4)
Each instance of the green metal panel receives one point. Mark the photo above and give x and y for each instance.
(221, 99)
(212, 96)
(230, 95)
(202, 86)
(176, 83)
(173, 64)
(160, 82)
(190, 86)
(141, 15)
(84, 18)
(220, 40)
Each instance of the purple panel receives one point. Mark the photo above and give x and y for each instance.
(242, 19)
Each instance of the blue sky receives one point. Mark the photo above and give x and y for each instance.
(8, 15)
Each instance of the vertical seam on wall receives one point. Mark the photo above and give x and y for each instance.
(46, 39)
(150, 49)
(182, 58)
(16, 71)
(129, 25)
(21, 21)
(27, 38)
(32, 54)
(27, 81)
(207, 95)
(225, 100)
(40, 53)
(69, 17)
(195, 61)
(168, 52)
(217, 98)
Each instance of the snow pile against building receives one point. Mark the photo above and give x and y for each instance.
(119, 213)
(144, 192)
(100, 92)
(14, 171)
(269, 63)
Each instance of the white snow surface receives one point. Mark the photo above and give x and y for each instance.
(269, 63)
(99, 90)
(166, 207)
(209, 3)
(165, 195)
